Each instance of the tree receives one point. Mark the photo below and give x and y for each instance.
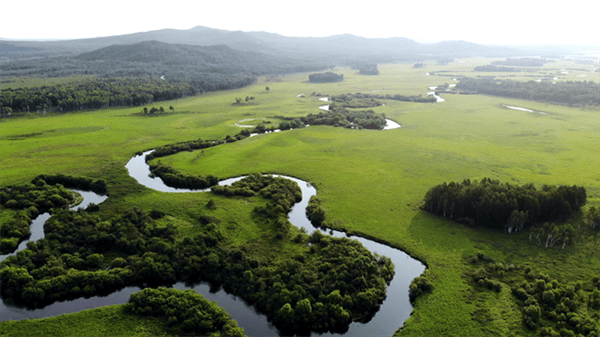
(285, 317)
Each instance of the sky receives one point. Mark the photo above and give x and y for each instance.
(508, 22)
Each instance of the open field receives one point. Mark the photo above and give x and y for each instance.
(370, 182)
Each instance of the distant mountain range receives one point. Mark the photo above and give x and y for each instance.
(339, 48)
(183, 54)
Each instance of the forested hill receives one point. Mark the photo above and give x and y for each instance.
(176, 62)
(218, 58)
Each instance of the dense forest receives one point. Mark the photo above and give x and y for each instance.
(327, 77)
(98, 93)
(334, 282)
(570, 93)
(152, 59)
(490, 203)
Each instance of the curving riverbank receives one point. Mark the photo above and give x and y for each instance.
(392, 313)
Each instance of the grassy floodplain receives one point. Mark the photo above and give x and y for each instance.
(104, 321)
(370, 182)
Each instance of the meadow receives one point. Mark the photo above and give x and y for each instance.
(370, 182)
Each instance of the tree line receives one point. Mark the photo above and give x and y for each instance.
(572, 93)
(503, 206)
(329, 283)
(362, 100)
(99, 93)
(494, 68)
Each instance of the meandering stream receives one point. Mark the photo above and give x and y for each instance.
(391, 315)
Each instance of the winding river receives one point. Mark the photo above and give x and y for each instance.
(393, 312)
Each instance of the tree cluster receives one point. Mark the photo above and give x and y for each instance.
(419, 286)
(340, 117)
(77, 182)
(185, 311)
(492, 204)
(523, 62)
(368, 69)
(549, 307)
(172, 177)
(283, 192)
(328, 77)
(70, 262)
(568, 233)
(578, 93)
(357, 100)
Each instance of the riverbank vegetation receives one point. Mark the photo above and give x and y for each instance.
(44, 194)
(186, 312)
(370, 183)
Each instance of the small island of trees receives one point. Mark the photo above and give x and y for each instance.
(368, 69)
(492, 204)
(328, 77)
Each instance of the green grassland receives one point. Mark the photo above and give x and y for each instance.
(104, 321)
(370, 182)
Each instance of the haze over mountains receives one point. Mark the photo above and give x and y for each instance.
(200, 53)
(339, 47)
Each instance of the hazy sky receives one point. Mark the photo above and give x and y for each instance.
(490, 22)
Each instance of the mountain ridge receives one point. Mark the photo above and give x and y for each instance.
(336, 47)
